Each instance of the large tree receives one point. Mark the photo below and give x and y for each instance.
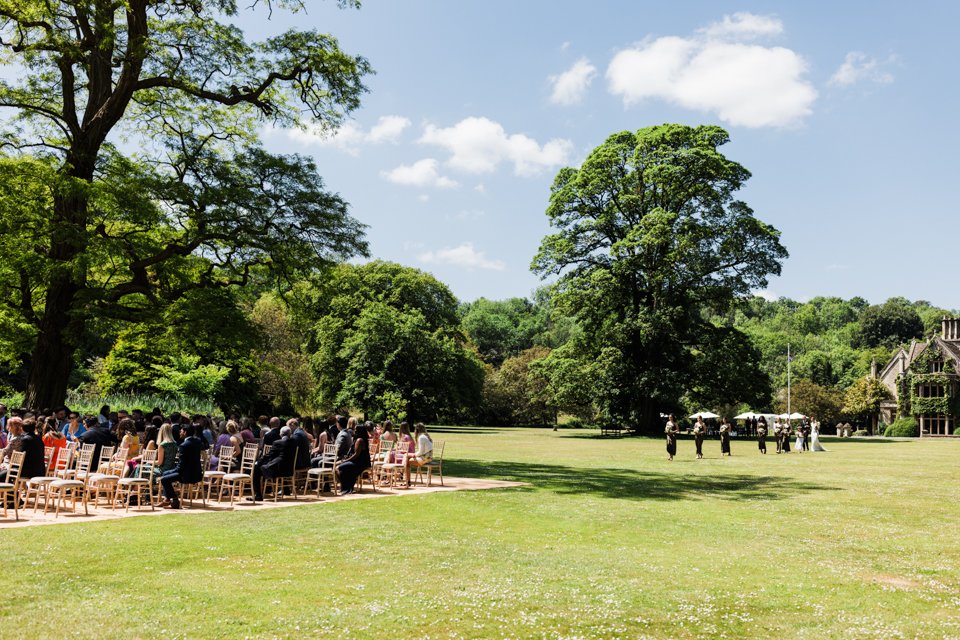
(193, 202)
(649, 239)
(387, 341)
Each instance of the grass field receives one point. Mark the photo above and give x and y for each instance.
(610, 540)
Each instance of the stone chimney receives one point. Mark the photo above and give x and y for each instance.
(951, 329)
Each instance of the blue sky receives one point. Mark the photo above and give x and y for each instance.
(845, 115)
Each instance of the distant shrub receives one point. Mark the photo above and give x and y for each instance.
(903, 428)
(859, 433)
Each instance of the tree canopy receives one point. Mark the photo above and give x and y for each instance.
(132, 172)
(649, 238)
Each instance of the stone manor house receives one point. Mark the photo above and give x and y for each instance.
(924, 381)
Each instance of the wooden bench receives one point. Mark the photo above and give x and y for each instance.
(611, 430)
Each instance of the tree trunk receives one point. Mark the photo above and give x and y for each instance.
(62, 322)
(52, 359)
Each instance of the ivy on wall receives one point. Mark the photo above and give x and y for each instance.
(909, 403)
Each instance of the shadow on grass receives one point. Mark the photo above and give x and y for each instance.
(635, 485)
(464, 430)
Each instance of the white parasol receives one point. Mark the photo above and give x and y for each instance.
(706, 415)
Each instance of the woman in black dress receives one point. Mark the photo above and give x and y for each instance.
(699, 430)
(762, 435)
(725, 438)
(671, 431)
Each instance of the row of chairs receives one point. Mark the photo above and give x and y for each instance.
(71, 477)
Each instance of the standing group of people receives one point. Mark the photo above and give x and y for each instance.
(807, 433)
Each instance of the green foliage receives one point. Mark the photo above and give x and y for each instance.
(503, 328)
(185, 376)
(649, 236)
(809, 398)
(382, 330)
(519, 392)
(282, 367)
(863, 397)
(196, 203)
(903, 428)
(889, 324)
(860, 433)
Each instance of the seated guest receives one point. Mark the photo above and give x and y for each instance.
(97, 434)
(345, 439)
(74, 427)
(405, 442)
(279, 463)
(424, 453)
(15, 431)
(387, 433)
(189, 469)
(34, 464)
(354, 465)
(150, 437)
(53, 437)
(273, 434)
(302, 439)
(229, 438)
(130, 440)
(246, 434)
(166, 450)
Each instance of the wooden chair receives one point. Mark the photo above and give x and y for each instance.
(326, 472)
(70, 472)
(117, 462)
(213, 478)
(106, 456)
(59, 490)
(40, 485)
(279, 483)
(102, 484)
(368, 476)
(235, 483)
(12, 486)
(140, 486)
(394, 472)
(435, 464)
(383, 455)
(47, 456)
(190, 491)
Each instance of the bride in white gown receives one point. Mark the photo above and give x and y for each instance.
(815, 437)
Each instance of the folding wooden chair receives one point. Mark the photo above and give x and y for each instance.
(12, 486)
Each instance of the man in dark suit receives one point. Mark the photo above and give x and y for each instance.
(303, 442)
(273, 434)
(189, 469)
(99, 435)
(279, 463)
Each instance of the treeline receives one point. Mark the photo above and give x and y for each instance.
(393, 341)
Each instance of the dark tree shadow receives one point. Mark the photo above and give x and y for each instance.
(466, 430)
(628, 484)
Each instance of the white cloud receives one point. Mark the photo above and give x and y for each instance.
(743, 84)
(858, 66)
(480, 188)
(463, 255)
(388, 129)
(479, 145)
(744, 26)
(350, 136)
(422, 173)
(569, 86)
(423, 197)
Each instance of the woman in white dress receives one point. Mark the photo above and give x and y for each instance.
(815, 437)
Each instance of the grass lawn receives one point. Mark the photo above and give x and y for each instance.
(611, 540)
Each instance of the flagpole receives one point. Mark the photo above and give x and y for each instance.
(788, 382)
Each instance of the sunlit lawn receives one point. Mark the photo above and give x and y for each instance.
(610, 540)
